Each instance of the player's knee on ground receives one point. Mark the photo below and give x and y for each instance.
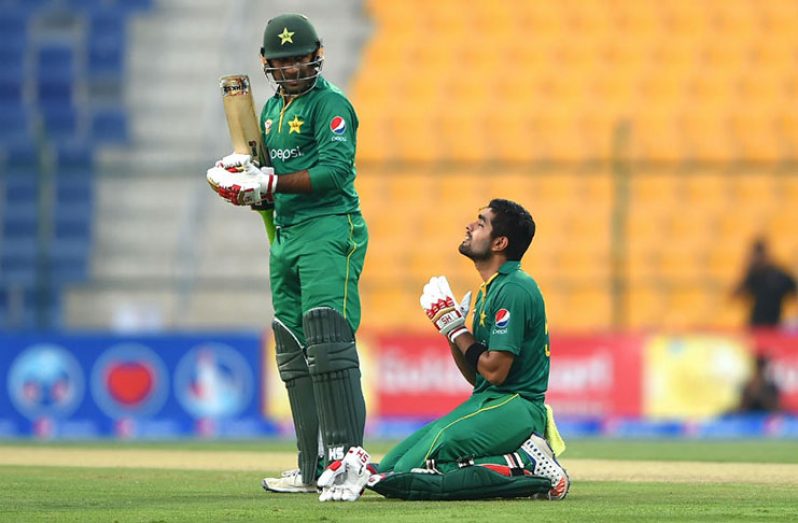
(335, 370)
(293, 369)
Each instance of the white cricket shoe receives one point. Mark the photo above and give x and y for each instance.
(344, 480)
(546, 465)
(289, 482)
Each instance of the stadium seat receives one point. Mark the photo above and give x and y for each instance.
(60, 122)
(15, 123)
(22, 159)
(106, 56)
(14, 21)
(109, 126)
(12, 60)
(56, 60)
(55, 91)
(11, 89)
(17, 268)
(73, 158)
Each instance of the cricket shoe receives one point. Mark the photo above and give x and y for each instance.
(546, 466)
(289, 482)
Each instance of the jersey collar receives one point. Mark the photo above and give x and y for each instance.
(510, 266)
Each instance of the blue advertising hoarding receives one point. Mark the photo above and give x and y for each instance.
(149, 387)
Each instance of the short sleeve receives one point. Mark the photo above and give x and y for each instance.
(513, 313)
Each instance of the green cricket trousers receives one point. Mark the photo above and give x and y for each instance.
(487, 424)
(317, 263)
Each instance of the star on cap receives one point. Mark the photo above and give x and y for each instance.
(295, 125)
(286, 36)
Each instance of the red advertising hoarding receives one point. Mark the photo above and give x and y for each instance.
(595, 375)
(417, 376)
(782, 350)
(590, 375)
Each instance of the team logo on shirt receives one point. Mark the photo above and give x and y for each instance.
(267, 126)
(295, 125)
(502, 318)
(338, 125)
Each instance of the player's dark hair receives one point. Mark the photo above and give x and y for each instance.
(515, 223)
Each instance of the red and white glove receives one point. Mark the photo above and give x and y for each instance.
(235, 162)
(239, 181)
(344, 480)
(438, 302)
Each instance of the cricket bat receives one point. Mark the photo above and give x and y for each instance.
(239, 110)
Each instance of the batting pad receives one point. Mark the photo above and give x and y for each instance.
(335, 370)
(466, 483)
(293, 369)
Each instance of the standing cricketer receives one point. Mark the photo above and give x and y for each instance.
(483, 448)
(310, 131)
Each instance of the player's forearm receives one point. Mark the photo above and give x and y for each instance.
(461, 363)
(494, 366)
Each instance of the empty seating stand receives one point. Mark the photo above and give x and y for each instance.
(62, 64)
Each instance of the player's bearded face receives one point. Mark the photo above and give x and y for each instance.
(295, 75)
(477, 242)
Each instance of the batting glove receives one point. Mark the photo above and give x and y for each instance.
(248, 187)
(344, 480)
(235, 162)
(438, 302)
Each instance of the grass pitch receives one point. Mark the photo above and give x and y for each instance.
(216, 481)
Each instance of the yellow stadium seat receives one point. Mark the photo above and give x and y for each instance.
(588, 309)
(690, 83)
(655, 136)
(755, 137)
(654, 188)
(752, 188)
(415, 137)
(687, 307)
(786, 187)
(706, 137)
(645, 307)
(462, 137)
(787, 132)
(513, 137)
(385, 263)
(709, 189)
(585, 264)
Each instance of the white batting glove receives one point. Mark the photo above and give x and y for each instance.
(465, 304)
(344, 480)
(235, 161)
(438, 302)
(248, 187)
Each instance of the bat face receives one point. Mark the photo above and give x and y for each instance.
(241, 120)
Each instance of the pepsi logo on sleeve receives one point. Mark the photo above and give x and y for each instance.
(502, 318)
(338, 125)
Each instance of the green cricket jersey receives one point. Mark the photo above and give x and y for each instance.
(317, 132)
(510, 316)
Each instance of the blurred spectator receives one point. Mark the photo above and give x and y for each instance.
(760, 394)
(766, 285)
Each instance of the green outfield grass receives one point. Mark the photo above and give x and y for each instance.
(35, 493)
